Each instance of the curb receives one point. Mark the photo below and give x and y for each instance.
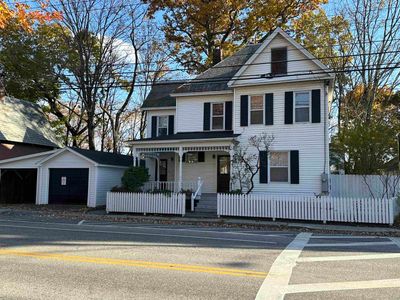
(207, 222)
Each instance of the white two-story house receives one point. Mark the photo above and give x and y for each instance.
(275, 86)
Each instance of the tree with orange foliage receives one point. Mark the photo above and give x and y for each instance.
(203, 32)
(23, 15)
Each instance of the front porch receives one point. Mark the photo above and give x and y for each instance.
(205, 169)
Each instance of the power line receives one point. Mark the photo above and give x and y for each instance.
(255, 64)
(249, 77)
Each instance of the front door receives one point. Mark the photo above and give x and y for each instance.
(223, 173)
(163, 169)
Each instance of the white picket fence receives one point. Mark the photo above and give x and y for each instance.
(146, 203)
(295, 207)
(369, 186)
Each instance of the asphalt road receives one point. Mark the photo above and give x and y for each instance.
(57, 259)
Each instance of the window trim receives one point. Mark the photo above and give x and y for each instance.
(309, 107)
(158, 124)
(269, 167)
(211, 116)
(263, 109)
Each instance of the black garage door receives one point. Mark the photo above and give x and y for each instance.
(68, 186)
(18, 186)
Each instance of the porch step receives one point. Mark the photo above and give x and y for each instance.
(207, 205)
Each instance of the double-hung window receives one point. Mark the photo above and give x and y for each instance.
(162, 125)
(302, 106)
(217, 116)
(256, 109)
(279, 166)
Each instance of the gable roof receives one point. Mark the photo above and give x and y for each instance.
(95, 157)
(217, 77)
(266, 41)
(24, 122)
(160, 94)
(105, 158)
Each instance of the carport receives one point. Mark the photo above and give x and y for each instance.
(18, 186)
(19, 178)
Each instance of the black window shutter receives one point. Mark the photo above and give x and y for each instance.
(269, 109)
(184, 157)
(263, 155)
(294, 167)
(153, 126)
(171, 121)
(288, 107)
(228, 115)
(206, 117)
(201, 156)
(316, 106)
(244, 110)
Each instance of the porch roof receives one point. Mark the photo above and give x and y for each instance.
(188, 136)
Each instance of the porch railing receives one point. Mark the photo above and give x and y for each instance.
(169, 185)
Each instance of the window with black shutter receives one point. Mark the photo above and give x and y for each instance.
(278, 61)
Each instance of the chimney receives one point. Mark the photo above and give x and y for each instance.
(217, 55)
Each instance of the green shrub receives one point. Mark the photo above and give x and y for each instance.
(160, 191)
(134, 178)
(236, 192)
(119, 189)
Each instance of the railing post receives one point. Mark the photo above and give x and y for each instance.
(191, 202)
(180, 167)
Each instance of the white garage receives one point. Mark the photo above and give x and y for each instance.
(65, 176)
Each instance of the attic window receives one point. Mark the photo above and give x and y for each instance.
(278, 61)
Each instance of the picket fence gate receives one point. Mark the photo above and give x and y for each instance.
(295, 207)
(146, 203)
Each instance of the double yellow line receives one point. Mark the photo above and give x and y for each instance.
(136, 263)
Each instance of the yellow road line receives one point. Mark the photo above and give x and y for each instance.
(136, 263)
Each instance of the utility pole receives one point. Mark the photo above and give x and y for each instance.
(398, 151)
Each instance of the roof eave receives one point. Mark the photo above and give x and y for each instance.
(141, 142)
(220, 92)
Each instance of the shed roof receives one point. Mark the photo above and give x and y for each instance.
(193, 135)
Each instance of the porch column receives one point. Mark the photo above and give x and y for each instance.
(134, 154)
(158, 169)
(231, 153)
(180, 153)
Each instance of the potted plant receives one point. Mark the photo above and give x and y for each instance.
(188, 195)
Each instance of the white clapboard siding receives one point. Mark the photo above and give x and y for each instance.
(146, 203)
(336, 209)
(374, 186)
